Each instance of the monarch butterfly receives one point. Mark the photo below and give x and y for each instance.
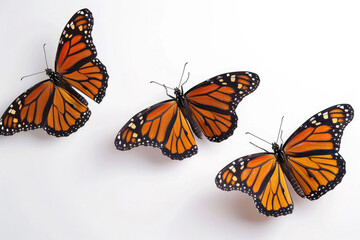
(309, 159)
(53, 104)
(208, 108)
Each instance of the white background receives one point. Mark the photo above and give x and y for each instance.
(81, 187)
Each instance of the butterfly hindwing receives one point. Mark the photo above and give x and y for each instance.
(29, 110)
(91, 79)
(313, 150)
(317, 174)
(66, 114)
(213, 102)
(163, 126)
(76, 57)
(261, 177)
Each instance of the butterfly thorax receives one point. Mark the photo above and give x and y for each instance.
(54, 76)
(179, 95)
(279, 154)
(184, 106)
(281, 158)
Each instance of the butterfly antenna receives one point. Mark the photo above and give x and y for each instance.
(186, 79)
(38, 72)
(277, 139)
(162, 85)
(258, 137)
(47, 66)
(166, 88)
(282, 141)
(182, 74)
(31, 75)
(259, 147)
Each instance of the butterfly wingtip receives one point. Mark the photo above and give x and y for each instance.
(118, 145)
(345, 105)
(98, 99)
(85, 10)
(348, 106)
(100, 96)
(220, 183)
(221, 187)
(349, 110)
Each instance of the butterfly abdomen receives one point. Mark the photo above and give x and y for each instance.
(286, 169)
(285, 166)
(184, 106)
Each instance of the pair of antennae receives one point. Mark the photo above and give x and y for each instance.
(180, 85)
(41, 71)
(277, 139)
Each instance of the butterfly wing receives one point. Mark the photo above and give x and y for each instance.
(29, 110)
(261, 177)
(163, 126)
(91, 79)
(313, 150)
(76, 57)
(45, 105)
(213, 102)
(66, 114)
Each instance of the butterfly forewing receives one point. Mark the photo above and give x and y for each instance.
(162, 126)
(75, 58)
(76, 46)
(214, 101)
(261, 177)
(29, 110)
(313, 150)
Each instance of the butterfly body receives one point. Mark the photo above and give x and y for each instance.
(206, 109)
(183, 104)
(54, 76)
(54, 104)
(281, 158)
(309, 159)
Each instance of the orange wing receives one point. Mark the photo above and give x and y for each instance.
(66, 114)
(56, 109)
(162, 126)
(29, 110)
(91, 79)
(213, 102)
(312, 151)
(75, 58)
(261, 177)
